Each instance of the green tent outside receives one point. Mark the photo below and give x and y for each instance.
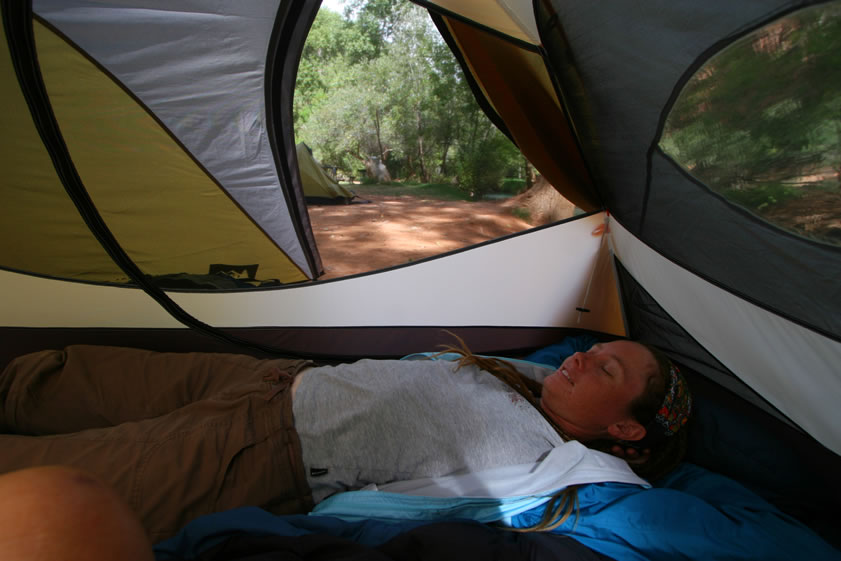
(318, 186)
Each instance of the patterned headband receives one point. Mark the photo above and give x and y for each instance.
(677, 405)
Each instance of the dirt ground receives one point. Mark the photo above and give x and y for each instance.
(391, 230)
(816, 215)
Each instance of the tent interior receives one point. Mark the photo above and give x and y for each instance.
(117, 233)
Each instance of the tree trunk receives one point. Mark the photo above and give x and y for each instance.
(444, 158)
(379, 138)
(410, 166)
(421, 162)
(543, 203)
(421, 158)
(375, 168)
(529, 173)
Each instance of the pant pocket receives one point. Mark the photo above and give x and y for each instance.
(267, 474)
(179, 476)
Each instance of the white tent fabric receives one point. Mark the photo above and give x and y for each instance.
(794, 368)
(452, 289)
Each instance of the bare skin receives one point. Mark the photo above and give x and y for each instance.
(297, 382)
(589, 396)
(56, 512)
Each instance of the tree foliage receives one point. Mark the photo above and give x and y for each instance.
(760, 123)
(379, 82)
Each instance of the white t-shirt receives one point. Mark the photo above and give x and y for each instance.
(379, 421)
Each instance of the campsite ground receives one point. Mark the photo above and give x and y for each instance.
(393, 230)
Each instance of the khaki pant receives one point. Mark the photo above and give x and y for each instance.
(178, 435)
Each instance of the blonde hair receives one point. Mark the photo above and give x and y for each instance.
(564, 502)
(558, 510)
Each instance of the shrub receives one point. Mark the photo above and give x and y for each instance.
(762, 196)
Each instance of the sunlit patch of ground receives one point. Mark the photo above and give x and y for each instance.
(392, 231)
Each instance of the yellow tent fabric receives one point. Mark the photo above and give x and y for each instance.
(317, 184)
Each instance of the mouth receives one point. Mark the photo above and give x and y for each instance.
(566, 375)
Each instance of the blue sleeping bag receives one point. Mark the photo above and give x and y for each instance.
(691, 514)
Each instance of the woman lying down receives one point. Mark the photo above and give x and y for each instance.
(178, 436)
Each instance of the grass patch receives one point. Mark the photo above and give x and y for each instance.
(760, 197)
(512, 185)
(521, 213)
(438, 191)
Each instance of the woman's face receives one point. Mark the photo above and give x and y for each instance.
(589, 396)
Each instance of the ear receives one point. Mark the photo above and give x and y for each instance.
(629, 430)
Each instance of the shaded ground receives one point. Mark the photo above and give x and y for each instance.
(394, 230)
(817, 215)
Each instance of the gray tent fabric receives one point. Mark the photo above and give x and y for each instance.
(644, 189)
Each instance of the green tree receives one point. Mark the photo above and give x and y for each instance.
(763, 118)
(330, 47)
(413, 106)
(381, 83)
(378, 20)
(484, 157)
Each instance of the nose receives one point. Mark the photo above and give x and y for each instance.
(580, 360)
